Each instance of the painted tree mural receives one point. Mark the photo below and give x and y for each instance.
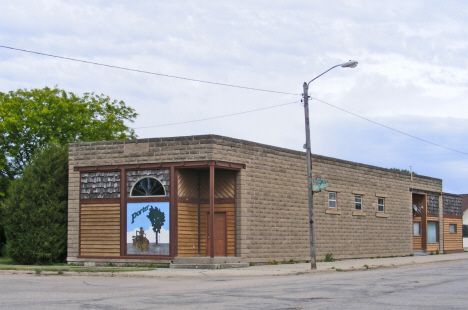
(157, 218)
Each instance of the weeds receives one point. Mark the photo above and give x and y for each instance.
(329, 257)
(272, 262)
(366, 266)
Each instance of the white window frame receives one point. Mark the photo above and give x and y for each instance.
(358, 203)
(381, 204)
(332, 200)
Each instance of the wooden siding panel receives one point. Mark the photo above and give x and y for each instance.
(230, 226)
(453, 241)
(432, 247)
(187, 226)
(100, 229)
(187, 183)
(417, 243)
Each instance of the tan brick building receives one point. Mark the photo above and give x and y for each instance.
(156, 200)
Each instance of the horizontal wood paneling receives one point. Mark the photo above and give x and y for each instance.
(188, 228)
(100, 229)
(432, 247)
(417, 243)
(453, 241)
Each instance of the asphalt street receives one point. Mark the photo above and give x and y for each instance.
(440, 285)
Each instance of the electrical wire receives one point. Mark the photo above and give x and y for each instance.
(148, 72)
(388, 127)
(226, 85)
(219, 116)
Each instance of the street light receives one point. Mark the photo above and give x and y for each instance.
(348, 64)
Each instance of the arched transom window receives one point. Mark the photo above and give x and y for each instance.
(148, 186)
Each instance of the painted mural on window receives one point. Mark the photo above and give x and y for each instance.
(148, 228)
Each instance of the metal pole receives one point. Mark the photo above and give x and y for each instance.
(310, 192)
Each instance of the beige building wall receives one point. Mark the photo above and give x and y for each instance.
(272, 207)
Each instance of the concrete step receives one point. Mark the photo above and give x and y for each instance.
(419, 253)
(207, 260)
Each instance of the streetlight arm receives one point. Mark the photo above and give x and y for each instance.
(348, 64)
(322, 74)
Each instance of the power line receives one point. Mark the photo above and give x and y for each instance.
(219, 116)
(148, 72)
(385, 126)
(226, 85)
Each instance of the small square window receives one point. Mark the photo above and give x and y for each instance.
(416, 229)
(358, 202)
(381, 204)
(453, 228)
(332, 200)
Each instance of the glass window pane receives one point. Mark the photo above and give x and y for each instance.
(332, 204)
(416, 230)
(431, 232)
(453, 228)
(381, 201)
(332, 196)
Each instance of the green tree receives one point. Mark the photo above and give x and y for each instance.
(157, 218)
(31, 119)
(35, 209)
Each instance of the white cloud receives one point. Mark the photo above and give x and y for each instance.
(413, 67)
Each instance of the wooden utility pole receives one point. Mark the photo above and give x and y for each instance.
(310, 193)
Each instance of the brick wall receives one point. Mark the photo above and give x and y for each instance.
(272, 208)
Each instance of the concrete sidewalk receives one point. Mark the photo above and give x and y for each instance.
(269, 270)
(295, 269)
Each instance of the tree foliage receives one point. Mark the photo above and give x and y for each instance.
(31, 119)
(157, 218)
(35, 209)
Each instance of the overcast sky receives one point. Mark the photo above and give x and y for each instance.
(412, 73)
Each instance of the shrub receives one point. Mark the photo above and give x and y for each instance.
(329, 257)
(2, 235)
(35, 210)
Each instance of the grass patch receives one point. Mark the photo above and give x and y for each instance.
(272, 262)
(61, 269)
(291, 261)
(6, 261)
(339, 269)
(366, 266)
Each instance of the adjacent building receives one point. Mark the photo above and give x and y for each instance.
(162, 199)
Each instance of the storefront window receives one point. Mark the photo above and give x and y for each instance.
(432, 235)
(148, 228)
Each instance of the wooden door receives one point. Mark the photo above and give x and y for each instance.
(220, 235)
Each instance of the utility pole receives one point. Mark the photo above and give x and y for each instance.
(313, 264)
